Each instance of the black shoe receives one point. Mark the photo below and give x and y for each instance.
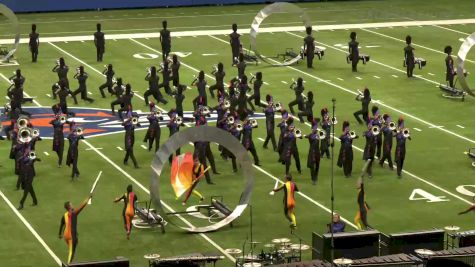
(125, 162)
(34, 204)
(216, 173)
(235, 170)
(136, 166)
(210, 182)
(257, 164)
(20, 207)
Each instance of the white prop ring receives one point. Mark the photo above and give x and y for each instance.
(7, 12)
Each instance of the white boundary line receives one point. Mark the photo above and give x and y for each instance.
(247, 30)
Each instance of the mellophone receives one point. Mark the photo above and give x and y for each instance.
(363, 57)
(420, 62)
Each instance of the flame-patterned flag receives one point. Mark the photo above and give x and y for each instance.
(182, 173)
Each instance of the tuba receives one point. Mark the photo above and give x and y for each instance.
(24, 135)
(406, 133)
(353, 135)
(253, 123)
(32, 155)
(22, 121)
(79, 131)
(375, 130)
(35, 133)
(392, 126)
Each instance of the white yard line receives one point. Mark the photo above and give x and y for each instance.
(119, 148)
(261, 139)
(46, 153)
(417, 129)
(359, 78)
(452, 30)
(377, 77)
(395, 76)
(460, 126)
(144, 147)
(340, 79)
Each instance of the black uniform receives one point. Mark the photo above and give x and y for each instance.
(248, 143)
(409, 58)
(73, 153)
(370, 150)
(364, 111)
(125, 104)
(354, 54)
(27, 172)
(309, 43)
(108, 84)
(201, 86)
(308, 111)
(58, 139)
(100, 43)
(153, 132)
(176, 73)
(34, 43)
(289, 149)
(256, 96)
(270, 126)
(450, 72)
(313, 158)
(298, 99)
(62, 77)
(400, 154)
(179, 98)
(166, 81)
(129, 141)
(174, 127)
(200, 153)
(63, 96)
(219, 76)
(325, 143)
(153, 89)
(166, 42)
(345, 157)
(235, 45)
(387, 146)
(82, 88)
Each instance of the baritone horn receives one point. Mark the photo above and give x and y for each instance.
(35, 133)
(79, 131)
(353, 135)
(392, 126)
(24, 135)
(406, 133)
(322, 134)
(32, 155)
(253, 123)
(298, 133)
(375, 130)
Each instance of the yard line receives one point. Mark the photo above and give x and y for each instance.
(355, 93)
(98, 148)
(266, 83)
(431, 74)
(144, 147)
(449, 29)
(48, 95)
(340, 79)
(377, 77)
(403, 41)
(46, 153)
(261, 139)
(437, 126)
(417, 129)
(119, 148)
(406, 114)
(359, 78)
(395, 76)
(89, 93)
(460, 126)
(284, 82)
(461, 40)
(32, 230)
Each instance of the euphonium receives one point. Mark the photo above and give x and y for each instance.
(322, 134)
(22, 122)
(277, 106)
(179, 120)
(406, 133)
(230, 120)
(353, 135)
(79, 131)
(35, 133)
(24, 135)
(334, 121)
(375, 130)
(32, 155)
(392, 126)
(253, 123)
(62, 119)
(135, 120)
(227, 104)
(298, 133)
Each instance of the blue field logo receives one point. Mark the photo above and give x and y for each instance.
(96, 121)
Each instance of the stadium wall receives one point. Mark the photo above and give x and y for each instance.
(22, 6)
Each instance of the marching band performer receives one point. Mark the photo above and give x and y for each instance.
(354, 52)
(370, 148)
(129, 126)
(179, 98)
(401, 137)
(219, 74)
(58, 136)
(73, 151)
(128, 213)
(256, 96)
(153, 90)
(345, 158)
(165, 41)
(62, 70)
(242, 100)
(118, 91)
(34, 43)
(200, 84)
(198, 172)
(109, 73)
(174, 126)
(69, 224)
(269, 112)
(100, 43)
(81, 76)
(388, 141)
(166, 74)
(175, 71)
(200, 119)
(283, 128)
(153, 131)
(308, 110)
(377, 120)
(247, 139)
(470, 208)
(361, 218)
(63, 91)
(313, 158)
(125, 101)
(365, 99)
(326, 126)
(27, 173)
(235, 43)
(309, 47)
(298, 89)
(15, 93)
(409, 59)
(449, 65)
(289, 188)
(289, 147)
(241, 66)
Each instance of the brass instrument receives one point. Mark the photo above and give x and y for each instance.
(277, 106)
(239, 127)
(7, 108)
(298, 133)
(24, 135)
(135, 120)
(253, 123)
(392, 126)
(205, 110)
(62, 119)
(381, 120)
(375, 130)
(292, 85)
(32, 155)
(230, 120)
(251, 81)
(322, 134)
(215, 69)
(179, 120)
(334, 121)
(406, 133)
(35, 133)
(57, 62)
(195, 79)
(353, 135)
(149, 70)
(157, 113)
(79, 131)
(227, 104)
(22, 121)
(359, 96)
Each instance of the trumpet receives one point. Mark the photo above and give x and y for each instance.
(227, 104)
(406, 133)
(239, 127)
(277, 106)
(35, 133)
(375, 130)
(353, 135)
(253, 123)
(157, 113)
(334, 121)
(251, 81)
(215, 69)
(135, 120)
(32, 155)
(24, 135)
(359, 96)
(149, 70)
(292, 84)
(62, 119)
(298, 133)
(392, 126)
(322, 134)
(22, 121)
(205, 110)
(57, 62)
(179, 120)
(195, 79)
(79, 131)
(230, 120)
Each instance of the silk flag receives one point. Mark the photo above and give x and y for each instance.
(182, 173)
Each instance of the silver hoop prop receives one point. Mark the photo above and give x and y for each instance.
(7, 12)
(461, 56)
(208, 134)
(279, 7)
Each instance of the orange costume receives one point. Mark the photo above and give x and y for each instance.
(69, 225)
(289, 188)
(129, 210)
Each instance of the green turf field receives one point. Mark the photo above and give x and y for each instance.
(442, 129)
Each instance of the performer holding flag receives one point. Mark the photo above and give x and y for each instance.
(289, 188)
(129, 198)
(361, 219)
